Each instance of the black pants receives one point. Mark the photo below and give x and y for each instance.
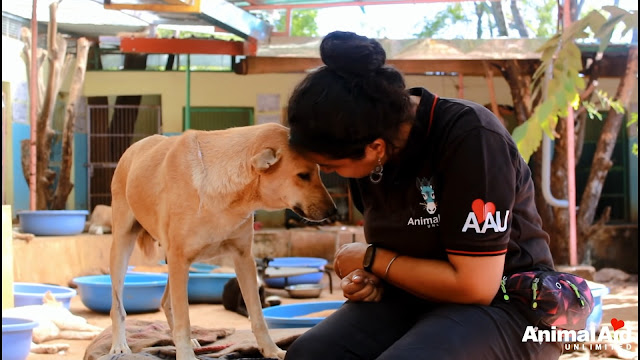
(404, 327)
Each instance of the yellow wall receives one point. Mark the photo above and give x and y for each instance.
(207, 89)
(231, 90)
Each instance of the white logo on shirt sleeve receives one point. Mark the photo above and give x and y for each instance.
(486, 214)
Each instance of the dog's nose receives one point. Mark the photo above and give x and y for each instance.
(331, 213)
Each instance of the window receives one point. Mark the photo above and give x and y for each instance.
(218, 118)
(616, 188)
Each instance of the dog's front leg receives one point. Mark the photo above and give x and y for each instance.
(248, 280)
(179, 307)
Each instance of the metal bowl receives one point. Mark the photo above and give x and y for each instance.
(304, 290)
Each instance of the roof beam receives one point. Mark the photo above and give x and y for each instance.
(266, 65)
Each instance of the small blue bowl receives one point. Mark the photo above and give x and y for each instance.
(207, 287)
(203, 286)
(16, 338)
(53, 222)
(595, 318)
(202, 268)
(293, 315)
(296, 262)
(32, 294)
(142, 292)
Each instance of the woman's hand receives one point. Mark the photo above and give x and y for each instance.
(349, 258)
(360, 285)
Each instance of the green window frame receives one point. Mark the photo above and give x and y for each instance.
(616, 191)
(218, 118)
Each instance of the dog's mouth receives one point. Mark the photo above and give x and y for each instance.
(298, 210)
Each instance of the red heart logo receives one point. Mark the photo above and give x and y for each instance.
(481, 209)
(617, 324)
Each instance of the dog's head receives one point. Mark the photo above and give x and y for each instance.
(288, 180)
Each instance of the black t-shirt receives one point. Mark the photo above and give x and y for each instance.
(458, 187)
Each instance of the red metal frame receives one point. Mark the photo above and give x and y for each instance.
(186, 46)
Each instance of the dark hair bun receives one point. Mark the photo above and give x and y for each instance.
(348, 52)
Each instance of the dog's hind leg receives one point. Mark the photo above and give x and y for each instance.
(248, 279)
(125, 232)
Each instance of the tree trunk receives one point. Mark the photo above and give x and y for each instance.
(25, 36)
(520, 85)
(559, 189)
(64, 181)
(602, 157)
(56, 50)
(517, 19)
(498, 15)
(56, 54)
(479, 13)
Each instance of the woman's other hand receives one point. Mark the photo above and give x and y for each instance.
(349, 258)
(360, 285)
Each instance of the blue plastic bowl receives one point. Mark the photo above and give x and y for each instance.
(204, 286)
(595, 318)
(292, 315)
(32, 294)
(207, 287)
(142, 292)
(53, 222)
(16, 338)
(284, 262)
(202, 268)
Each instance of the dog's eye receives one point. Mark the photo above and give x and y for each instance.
(305, 176)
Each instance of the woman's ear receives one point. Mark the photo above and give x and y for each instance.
(378, 147)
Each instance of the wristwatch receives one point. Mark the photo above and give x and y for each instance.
(369, 256)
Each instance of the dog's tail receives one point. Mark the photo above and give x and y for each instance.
(146, 243)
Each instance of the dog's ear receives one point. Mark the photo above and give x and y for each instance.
(264, 159)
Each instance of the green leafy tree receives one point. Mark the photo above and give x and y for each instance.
(443, 19)
(558, 83)
(545, 21)
(558, 79)
(303, 23)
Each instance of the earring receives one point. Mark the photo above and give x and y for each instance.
(376, 174)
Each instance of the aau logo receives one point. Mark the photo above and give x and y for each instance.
(486, 214)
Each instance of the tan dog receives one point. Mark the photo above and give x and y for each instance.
(196, 194)
(100, 220)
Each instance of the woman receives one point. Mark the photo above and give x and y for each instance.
(448, 207)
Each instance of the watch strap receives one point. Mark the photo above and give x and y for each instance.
(369, 257)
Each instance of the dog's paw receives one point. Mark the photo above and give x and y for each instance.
(120, 349)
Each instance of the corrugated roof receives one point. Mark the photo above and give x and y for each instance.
(85, 17)
(416, 49)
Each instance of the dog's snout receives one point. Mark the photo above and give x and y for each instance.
(331, 213)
